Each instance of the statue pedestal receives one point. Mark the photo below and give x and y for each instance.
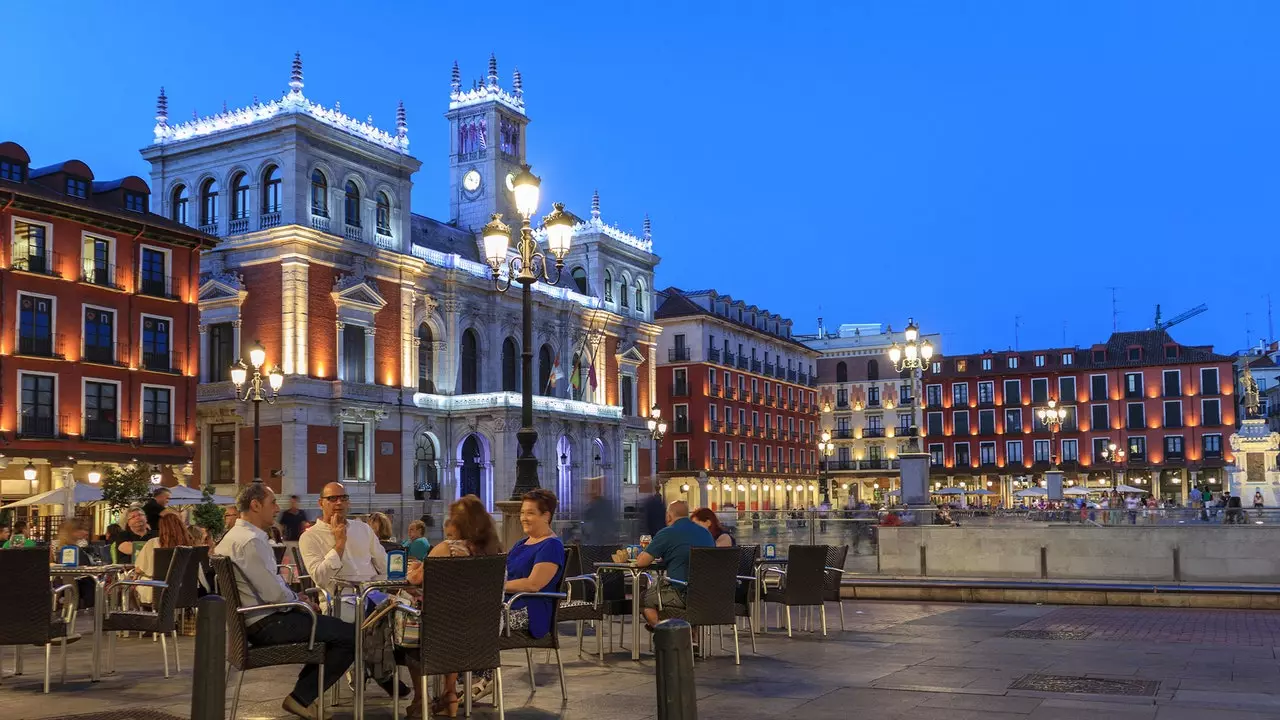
(914, 475)
(509, 510)
(1255, 448)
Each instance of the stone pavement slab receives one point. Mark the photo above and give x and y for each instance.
(897, 660)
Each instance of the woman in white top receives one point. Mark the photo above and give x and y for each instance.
(173, 533)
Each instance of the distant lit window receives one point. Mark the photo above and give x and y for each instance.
(135, 202)
(77, 187)
(12, 170)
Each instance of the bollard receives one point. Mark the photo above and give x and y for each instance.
(209, 676)
(673, 651)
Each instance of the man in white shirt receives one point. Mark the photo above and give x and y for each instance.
(341, 548)
(259, 584)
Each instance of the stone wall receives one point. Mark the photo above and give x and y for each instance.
(1216, 553)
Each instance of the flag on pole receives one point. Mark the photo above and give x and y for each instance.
(591, 374)
(556, 374)
(575, 379)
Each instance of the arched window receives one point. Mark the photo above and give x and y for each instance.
(608, 286)
(319, 194)
(873, 370)
(240, 196)
(622, 293)
(510, 365)
(470, 365)
(209, 202)
(580, 279)
(271, 190)
(426, 484)
(842, 372)
(384, 214)
(639, 296)
(351, 208)
(426, 357)
(545, 364)
(179, 204)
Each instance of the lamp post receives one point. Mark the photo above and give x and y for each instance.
(657, 428)
(912, 355)
(251, 387)
(825, 448)
(526, 267)
(1052, 416)
(1115, 456)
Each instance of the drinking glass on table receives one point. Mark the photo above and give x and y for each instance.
(644, 541)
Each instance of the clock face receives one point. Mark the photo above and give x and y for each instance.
(471, 181)
(511, 184)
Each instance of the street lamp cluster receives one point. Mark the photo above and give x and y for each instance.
(252, 388)
(1052, 417)
(825, 449)
(526, 267)
(1115, 456)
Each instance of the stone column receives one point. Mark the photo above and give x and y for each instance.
(204, 352)
(293, 316)
(447, 361)
(339, 363)
(408, 341)
(293, 452)
(370, 367)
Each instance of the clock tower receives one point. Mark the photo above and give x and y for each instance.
(486, 148)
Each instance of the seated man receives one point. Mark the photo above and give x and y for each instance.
(259, 584)
(671, 545)
(340, 548)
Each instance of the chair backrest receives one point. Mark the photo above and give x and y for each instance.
(304, 578)
(279, 550)
(836, 555)
(747, 555)
(389, 546)
(189, 588)
(237, 632)
(461, 613)
(176, 576)
(806, 575)
(712, 584)
(612, 584)
(26, 605)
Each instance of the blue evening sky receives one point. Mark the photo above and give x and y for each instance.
(962, 162)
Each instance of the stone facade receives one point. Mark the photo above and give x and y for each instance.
(395, 346)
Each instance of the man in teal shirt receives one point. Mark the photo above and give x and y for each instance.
(672, 545)
(19, 538)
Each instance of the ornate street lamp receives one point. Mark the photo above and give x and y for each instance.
(825, 448)
(526, 267)
(657, 429)
(913, 355)
(251, 387)
(1115, 456)
(1052, 416)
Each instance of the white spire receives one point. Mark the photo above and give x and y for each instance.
(295, 75)
(162, 109)
(595, 205)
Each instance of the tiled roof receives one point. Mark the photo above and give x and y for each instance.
(444, 237)
(1115, 349)
(673, 303)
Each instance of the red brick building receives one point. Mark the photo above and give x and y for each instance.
(737, 392)
(1168, 405)
(97, 326)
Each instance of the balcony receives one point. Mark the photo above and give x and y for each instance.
(157, 434)
(772, 433)
(678, 354)
(729, 359)
(755, 366)
(41, 426)
(1135, 425)
(679, 389)
(108, 354)
(101, 430)
(771, 400)
(742, 363)
(715, 390)
(46, 264)
(681, 427)
(873, 432)
(717, 426)
(813, 381)
(46, 346)
(842, 433)
(986, 401)
(238, 226)
(730, 393)
(729, 427)
(107, 276)
(731, 464)
(873, 402)
(717, 463)
(354, 233)
(166, 362)
(713, 355)
(842, 404)
(791, 376)
(906, 402)
(160, 286)
(770, 369)
(803, 379)
(755, 397)
(210, 228)
(680, 463)
(269, 220)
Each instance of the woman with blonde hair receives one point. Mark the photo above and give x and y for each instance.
(381, 525)
(173, 533)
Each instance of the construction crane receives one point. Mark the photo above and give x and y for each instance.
(1182, 317)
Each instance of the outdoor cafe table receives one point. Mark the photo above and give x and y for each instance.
(635, 572)
(100, 575)
(763, 564)
(361, 593)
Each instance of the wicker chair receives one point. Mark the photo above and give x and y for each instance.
(744, 597)
(160, 619)
(245, 658)
(29, 613)
(510, 639)
(189, 589)
(582, 602)
(610, 587)
(709, 593)
(803, 582)
(836, 555)
(461, 611)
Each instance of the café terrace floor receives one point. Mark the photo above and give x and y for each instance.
(897, 660)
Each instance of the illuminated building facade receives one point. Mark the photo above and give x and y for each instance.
(1169, 406)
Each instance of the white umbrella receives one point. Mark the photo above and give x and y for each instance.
(80, 493)
(1075, 491)
(949, 491)
(1031, 492)
(982, 491)
(1129, 489)
(182, 495)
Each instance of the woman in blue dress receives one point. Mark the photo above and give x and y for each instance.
(534, 564)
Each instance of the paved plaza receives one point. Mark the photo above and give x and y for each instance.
(896, 660)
